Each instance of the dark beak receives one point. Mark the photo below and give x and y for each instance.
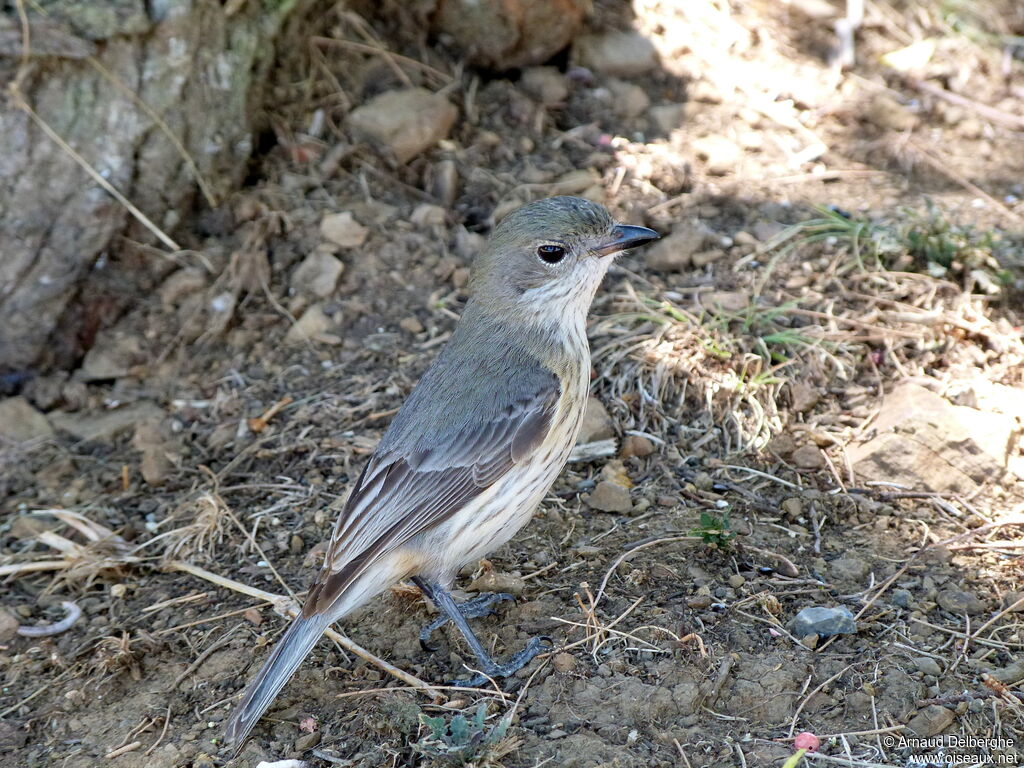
(624, 237)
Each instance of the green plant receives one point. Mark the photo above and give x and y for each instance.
(714, 531)
(463, 741)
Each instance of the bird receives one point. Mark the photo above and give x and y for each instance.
(476, 445)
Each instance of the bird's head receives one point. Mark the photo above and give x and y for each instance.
(550, 256)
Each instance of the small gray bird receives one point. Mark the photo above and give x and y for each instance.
(477, 444)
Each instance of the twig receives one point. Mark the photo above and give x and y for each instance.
(167, 722)
(123, 750)
(73, 612)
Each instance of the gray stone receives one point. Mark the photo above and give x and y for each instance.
(619, 54)
(21, 423)
(931, 721)
(343, 230)
(849, 567)
(675, 252)
(107, 425)
(610, 497)
(902, 598)
(597, 424)
(921, 439)
(928, 665)
(317, 275)
(824, 622)
(959, 602)
(719, 153)
(404, 122)
(546, 84)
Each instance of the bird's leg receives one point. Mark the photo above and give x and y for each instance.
(458, 615)
(475, 608)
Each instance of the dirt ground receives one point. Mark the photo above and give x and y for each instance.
(741, 366)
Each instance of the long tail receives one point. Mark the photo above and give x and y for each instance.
(289, 652)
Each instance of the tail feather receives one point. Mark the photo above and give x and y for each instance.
(289, 652)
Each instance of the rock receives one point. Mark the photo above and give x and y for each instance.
(312, 326)
(499, 35)
(107, 425)
(902, 598)
(342, 229)
(498, 581)
(960, 602)
(628, 100)
(928, 665)
(849, 568)
(920, 439)
(597, 424)
(21, 423)
(8, 625)
(307, 741)
(317, 275)
(564, 662)
(703, 258)
(719, 153)
(987, 395)
(618, 54)
(1011, 674)
(12, 737)
(546, 84)
(156, 465)
(824, 622)
(665, 118)
(885, 112)
(636, 445)
(427, 215)
(931, 721)
(792, 507)
(404, 122)
(410, 325)
(736, 581)
(802, 396)
(112, 357)
(720, 302)
(180, 284)
(1014, 602)
(782, 445)
(675, 252)
(808, 457)
(609, 497)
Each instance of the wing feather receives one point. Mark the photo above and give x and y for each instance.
(401, 494)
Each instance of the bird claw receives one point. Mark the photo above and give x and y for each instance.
(533, 648)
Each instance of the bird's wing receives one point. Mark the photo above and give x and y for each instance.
(404, 492)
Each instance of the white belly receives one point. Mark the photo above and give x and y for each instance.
(500, 512)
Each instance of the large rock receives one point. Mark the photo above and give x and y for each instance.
(503, 34)
(109, 424)
(619, 54)
(597, 424)
(21, 423)
(921, 439)
(404, 122)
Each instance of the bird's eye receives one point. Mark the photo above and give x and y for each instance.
(551, 254)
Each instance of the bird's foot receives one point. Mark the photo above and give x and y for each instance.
(490, 669)
(475, 608)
